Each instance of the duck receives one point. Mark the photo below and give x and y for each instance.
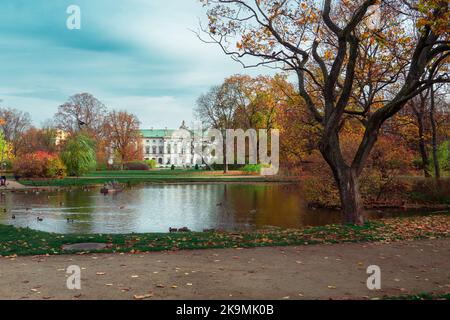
(40, 219)
(122, 207)
(27, 209)
(219, 204)
(173, 229)
(13, 216)
(70, 220)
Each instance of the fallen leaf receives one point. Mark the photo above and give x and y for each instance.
(144, 296)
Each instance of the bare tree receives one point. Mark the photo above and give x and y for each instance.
(217, 109)
(82, 112)
(345, 67)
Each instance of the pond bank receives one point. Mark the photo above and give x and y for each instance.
(24, 241)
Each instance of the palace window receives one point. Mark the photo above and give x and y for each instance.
(154, 149)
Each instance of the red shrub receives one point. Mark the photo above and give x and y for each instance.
(136, 165)
(39, 165)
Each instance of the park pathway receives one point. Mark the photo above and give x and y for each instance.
(303, 272)
(13, 185)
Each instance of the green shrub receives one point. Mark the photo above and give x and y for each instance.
(254, 168)
(7, 164)
(443, 155)
(151, 163)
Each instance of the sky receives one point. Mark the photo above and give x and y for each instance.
(134, 55)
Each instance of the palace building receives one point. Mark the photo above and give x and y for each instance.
(170, 147)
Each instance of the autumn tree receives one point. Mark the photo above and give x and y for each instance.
(14, 123)
(346, 65)
(122, 132)
(82, 112)
(259, 99)
(5, 150)
(35, 139)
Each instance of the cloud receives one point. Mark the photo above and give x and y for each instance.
(133, 54)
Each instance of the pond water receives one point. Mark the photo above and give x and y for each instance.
(155, 208)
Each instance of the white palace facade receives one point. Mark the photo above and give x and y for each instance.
(170, 147)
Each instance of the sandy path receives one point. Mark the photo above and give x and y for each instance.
(305, 272)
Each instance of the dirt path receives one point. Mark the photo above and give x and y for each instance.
(305, 272)
(13, 185)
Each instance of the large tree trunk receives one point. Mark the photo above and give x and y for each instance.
(422, 146)
(434, 143)
(352, 205)
(346, 180)
(225, 158)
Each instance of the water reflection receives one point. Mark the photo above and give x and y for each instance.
(155, 208)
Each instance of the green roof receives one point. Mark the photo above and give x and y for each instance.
(156, 133)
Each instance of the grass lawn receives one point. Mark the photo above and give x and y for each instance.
(20, 241)
(145, 173)
(151, 176)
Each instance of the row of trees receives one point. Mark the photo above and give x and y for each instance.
(83, 134)
(264, 102)
(351, 68)
(113, 131)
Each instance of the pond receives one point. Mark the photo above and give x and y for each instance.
(156, 208)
